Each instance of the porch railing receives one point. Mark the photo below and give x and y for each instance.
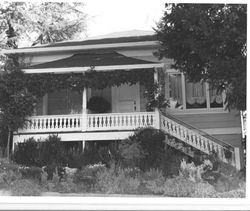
(93, 122)
(53, 123)
(120, 121)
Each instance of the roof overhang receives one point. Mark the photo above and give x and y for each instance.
(80, 47)
(96, 68)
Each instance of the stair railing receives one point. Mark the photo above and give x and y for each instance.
(199, 139)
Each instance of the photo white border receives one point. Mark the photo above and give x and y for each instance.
(136, 203)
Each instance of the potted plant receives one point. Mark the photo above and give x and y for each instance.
(98, 104)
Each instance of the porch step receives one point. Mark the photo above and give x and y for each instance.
(186, 135)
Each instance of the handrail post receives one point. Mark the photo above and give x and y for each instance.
(237, 158)
(157, 119)
(157, 112)
(84, 109)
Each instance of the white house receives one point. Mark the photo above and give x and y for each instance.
(196, 118)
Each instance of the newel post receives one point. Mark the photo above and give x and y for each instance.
(237, 158)
(157, 112)
(84, 109)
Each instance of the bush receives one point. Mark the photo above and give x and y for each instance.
(98, 105)
(51, 151)
(146, 147)
(25, 187)
(154, 181)
(203, 190)
(116, 181)
(33, 172)
(9, 173)
(237, 193)
(86, 178)
(178, 187)
(27, 153)
(192, 172)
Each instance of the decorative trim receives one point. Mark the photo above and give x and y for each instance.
(80, 47)
(97, 68)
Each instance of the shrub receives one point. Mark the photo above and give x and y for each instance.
(51, 151)
(203, 190)
(145, 147)
(25, 187)
(153, 180)
(116, 181)
(179, 187)
(194, 173)
(66, 186)
(9, 173)
(237, 193)
(27, 153)
(98, 105)
(86, 178)
(31, 172)
(131, 152)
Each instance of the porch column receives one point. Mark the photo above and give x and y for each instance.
(45, 104)
(157, 113)
(84, 109)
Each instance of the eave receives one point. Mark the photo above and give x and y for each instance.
(81, 47)
(97, 68)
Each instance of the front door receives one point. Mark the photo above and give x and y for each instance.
(126, 98)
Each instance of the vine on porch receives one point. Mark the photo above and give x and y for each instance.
(40, 84)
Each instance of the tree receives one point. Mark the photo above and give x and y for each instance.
(16, 102)
(46, 22)
(208, 43)
(34, 23)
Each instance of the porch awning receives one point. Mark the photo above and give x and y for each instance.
(83, 61)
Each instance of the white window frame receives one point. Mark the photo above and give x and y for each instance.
(185, 110)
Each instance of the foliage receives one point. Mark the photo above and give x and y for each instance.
(16, 101)
(39, 153)
(51, 151)
(153, 180)
(39, 84)
(131, 152)
(25, 187)
(33, 172)
(26, 153)
(86, 178)
(203, 190)
(98, 105)
(179, 187)
(237, 193)
(208, 42)
(41, 22)
(156, 98)
(117, 180)
(194, 173)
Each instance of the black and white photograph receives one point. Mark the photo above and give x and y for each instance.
(114, 104)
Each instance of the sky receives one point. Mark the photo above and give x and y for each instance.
(108, 16)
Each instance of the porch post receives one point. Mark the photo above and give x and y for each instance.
(237, 158)
(84, 109)
(157, 113)
(45, 104)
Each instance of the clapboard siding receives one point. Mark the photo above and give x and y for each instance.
(233, 139)
(212, 120)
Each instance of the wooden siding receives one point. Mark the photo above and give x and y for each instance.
(212, 120)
